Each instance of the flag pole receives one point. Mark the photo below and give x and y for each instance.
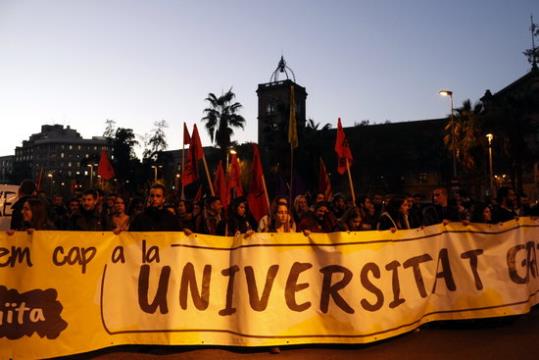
(182, 195)
(266, 196)
(292, 137)
(291, 173)
(212, 192)
(350, 182)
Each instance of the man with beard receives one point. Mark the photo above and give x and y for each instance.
(89, 218)
(155, 217)
(320, 221)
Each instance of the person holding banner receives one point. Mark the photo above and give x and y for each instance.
(155, 217)
(90, 218)
(119, 218)
(353, 220)
(27, 189)
(301, 208)
(281, 221)
(240, 220)
(184, 213)
(321, 221)
(211, 220)
(395, 215)
(33, 216)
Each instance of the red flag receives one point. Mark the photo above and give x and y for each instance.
(189, 173)
(198, 195)
(257, 198)
(39, 180)
(234, 181)
(105, 169)
(219, 184)
(195, 153)
(324, 186)
(186, 136)
(196, 144)
(342, 148)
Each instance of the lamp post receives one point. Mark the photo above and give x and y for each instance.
(490, 137)
(49, 175)
(91, 166)
(449, 93)
(154, 167)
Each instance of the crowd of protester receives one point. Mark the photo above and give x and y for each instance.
(93, 210)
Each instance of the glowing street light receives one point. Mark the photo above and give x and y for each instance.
(154, 167)
(49, 175)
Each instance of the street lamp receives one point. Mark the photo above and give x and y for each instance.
(154, 167)
(449, 93)
(91, 166)
(490, 137)
(231, 151)
(49, 175)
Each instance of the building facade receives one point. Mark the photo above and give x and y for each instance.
(59, 157)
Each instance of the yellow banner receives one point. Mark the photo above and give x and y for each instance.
(66, 292)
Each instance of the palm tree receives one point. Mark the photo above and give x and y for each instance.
(222, 117)
(466, 131)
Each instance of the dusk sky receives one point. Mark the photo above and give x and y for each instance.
(79, 63)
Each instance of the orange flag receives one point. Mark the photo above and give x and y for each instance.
(257, 197)
(105, 169)
(342, 148)
(219, 184)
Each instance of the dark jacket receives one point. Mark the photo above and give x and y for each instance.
(326, 225)
(16, 214)
(90, 221)
(155, 219)
(502, 214)
(436, 214)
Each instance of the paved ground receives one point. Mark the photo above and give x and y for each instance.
(504, 338)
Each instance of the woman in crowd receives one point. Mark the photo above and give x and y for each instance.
(264, 225)
(395, 215)
(184, 212)
(119, 218)
(301, 208)
(352, 220)
(482, 213)
(281, 221)
(240, 220)
(34, 216)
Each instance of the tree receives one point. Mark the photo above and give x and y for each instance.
(109, 129)
(157, 142)
(463, 136)
(222, 117)
(533, 53)
(123, 152)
